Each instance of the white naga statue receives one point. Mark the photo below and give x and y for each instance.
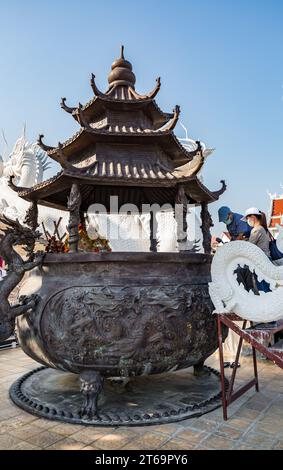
(228, 295)
(27, 164)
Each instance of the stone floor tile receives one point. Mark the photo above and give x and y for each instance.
(66, 429)
(239, 423)
(89, 448)
(148, 441)
(26, 432)
(168, 429)
(218, 442)
(66, 444)
(269, 426)
(44, 439)
(192, 436)
(25, 446)
(115, 440)
(228, 431)
(46, 424)
(176, 444)
(247, 413)
(240, 446)
(7, 441)
(91, 434)
(201, 424)
(278, 445)
(202, 447)
(259, 440)
(17, 421)
(7, 413)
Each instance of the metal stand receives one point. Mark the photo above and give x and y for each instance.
(259, 340)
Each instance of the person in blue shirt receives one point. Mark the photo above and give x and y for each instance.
(237, 228)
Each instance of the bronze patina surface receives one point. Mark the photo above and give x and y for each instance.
(120, 313)
(144, 400)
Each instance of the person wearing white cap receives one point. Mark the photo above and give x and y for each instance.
(261, 237)
(260, 234)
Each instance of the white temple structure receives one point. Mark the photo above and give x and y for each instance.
(275, 218)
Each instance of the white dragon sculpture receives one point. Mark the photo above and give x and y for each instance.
(229, 296)
(26, 163)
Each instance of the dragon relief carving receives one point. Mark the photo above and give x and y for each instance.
(130, 328)
(229, 296)
(14, 234)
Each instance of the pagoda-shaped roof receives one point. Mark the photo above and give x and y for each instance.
(120, 95)
(125, 145)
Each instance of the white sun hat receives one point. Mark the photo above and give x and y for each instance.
(251, 211)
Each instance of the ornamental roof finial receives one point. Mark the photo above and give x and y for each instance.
(122, 52)
(121, 72)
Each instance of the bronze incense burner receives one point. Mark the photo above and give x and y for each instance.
(105, 315)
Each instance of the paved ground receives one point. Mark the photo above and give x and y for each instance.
(256, 420)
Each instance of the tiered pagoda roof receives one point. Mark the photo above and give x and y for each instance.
(125, 146)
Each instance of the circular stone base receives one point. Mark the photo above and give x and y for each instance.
(144, 400)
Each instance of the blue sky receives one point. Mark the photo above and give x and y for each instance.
(221, 61)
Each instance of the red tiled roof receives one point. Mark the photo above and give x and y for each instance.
(276, 213)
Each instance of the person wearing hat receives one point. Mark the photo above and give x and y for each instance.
(260, 235)
(236, 226)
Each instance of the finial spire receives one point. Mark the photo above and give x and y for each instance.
(121, 72)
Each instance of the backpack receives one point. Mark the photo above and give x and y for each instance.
(275, 253)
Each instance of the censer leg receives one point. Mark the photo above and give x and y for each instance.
(200, 370)
(91, 387)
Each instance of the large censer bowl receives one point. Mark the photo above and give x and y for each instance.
(120, 314)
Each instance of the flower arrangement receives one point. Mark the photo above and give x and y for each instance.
(94, 245)
(54, 243)
(60, 244)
